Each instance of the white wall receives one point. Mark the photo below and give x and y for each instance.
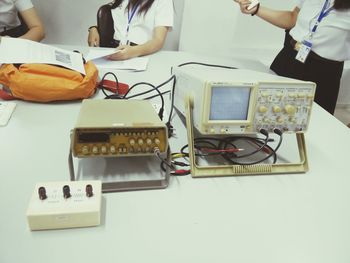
(202, 26)
(217, 27)
(67, 21)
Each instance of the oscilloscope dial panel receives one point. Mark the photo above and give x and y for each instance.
(283, 106)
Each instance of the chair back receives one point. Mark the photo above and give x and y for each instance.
(105, 26)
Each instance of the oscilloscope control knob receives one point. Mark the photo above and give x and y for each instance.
(276, 109)
(290, 109)
(292, 95)
(266, 120)
(280, 119)
(262, 109)
(279, 94)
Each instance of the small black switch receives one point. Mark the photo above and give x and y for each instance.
(42, 193)
(88, 190)
(66, 191)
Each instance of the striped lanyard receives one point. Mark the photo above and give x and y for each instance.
(324, 12)
(131, 14)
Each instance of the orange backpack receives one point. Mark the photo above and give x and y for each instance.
(45, 83)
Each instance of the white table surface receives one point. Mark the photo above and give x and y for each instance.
(281, 218)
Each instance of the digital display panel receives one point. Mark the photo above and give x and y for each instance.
(93, 137)
(229, 103)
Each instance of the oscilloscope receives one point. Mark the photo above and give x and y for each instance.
(222, 102)
(239, 101)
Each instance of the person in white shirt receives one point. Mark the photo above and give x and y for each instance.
(11, 14)
(140, 27)
(316, 45)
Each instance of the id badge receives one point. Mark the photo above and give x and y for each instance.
(304, 51)
(123, 41)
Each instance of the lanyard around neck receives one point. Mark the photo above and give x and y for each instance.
(132, 13)
(324, 12)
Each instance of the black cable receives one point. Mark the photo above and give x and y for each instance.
(148, 91)
(205, 64)
(161, 110)
(168, 124)
(226, 143)
(151, 97)
(272, 151)
(262, 131)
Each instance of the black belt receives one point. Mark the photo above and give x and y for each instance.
(116, 43)
(296, 46)
(14, 32)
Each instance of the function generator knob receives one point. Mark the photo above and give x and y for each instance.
(112, 149)
(132, 142)
(148, 141)
(85, 149)
(95, 149)
(103, 149)
(156, 141)
(140, 141)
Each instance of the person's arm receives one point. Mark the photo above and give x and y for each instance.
(93, 37)
(279, 18)
(151, 46)
(36, 29)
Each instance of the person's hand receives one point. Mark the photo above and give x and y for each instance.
(124, 52)
(243, 4)
(94, 37)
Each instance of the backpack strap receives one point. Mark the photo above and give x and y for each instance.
(5, 95)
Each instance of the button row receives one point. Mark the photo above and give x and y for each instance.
(113, 150)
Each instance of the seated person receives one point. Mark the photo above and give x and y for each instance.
(140, 27)
(12, 12)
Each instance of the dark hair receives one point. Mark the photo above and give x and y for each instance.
(144, 5)
(341, 4)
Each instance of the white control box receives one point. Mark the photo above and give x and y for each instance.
(67, 204)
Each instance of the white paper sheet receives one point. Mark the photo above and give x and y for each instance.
(95, 53)
(137, 64)
(16, 50)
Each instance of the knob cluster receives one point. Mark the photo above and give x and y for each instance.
(66, 192)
